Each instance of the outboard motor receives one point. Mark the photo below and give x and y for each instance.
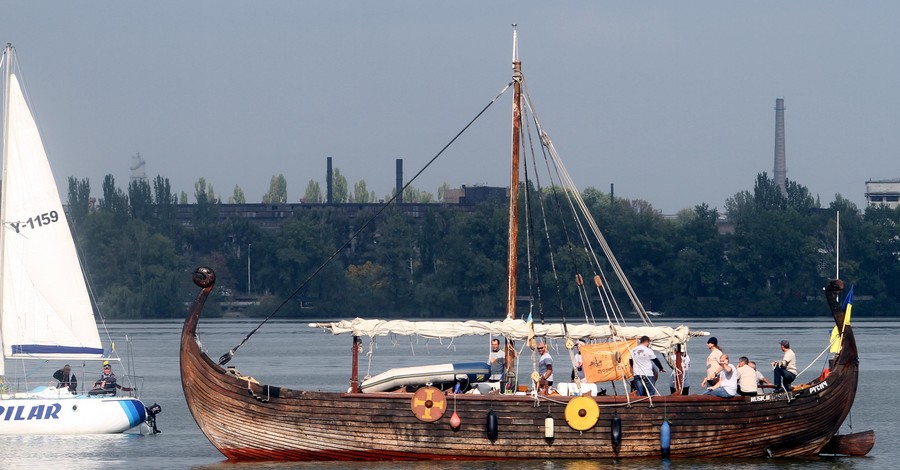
(152, 411)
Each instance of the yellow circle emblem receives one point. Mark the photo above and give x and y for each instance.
(582, 413)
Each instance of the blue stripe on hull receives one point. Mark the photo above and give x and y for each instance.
(134, 409)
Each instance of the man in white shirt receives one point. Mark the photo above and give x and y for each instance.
(726, 387)
(642, 360)
(497, 360)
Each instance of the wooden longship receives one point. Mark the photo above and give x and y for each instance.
(247, 420)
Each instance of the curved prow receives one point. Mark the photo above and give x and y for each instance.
(204, 277)
(832, 292)
(848, 354)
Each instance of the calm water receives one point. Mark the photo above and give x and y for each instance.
(294, 355)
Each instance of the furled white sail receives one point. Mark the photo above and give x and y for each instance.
(661, 338)
(46, 311)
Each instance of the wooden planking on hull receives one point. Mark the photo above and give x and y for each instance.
(247, 420)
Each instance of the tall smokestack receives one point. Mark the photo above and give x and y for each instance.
(399, 181)
(780, 172)
(329, 177)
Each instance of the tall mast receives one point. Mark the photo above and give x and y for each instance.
(514, 181)
(8, 62)
(837, 246)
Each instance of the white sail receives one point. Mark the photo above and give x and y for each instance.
(46, 311)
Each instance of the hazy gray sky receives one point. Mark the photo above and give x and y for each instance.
(670, 101)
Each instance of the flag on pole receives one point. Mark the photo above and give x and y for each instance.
(848, 306)
(530, 324)
(835, 340)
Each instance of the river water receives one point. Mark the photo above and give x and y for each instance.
(290, 353)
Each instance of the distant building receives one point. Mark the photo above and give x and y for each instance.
(885, 192)
(273, 216)
(472, 195)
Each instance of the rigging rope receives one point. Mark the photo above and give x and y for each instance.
(568, 182)
(529, 237)
(225, 358)
(537, 179)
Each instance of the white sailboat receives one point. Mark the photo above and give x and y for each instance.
(45, 310)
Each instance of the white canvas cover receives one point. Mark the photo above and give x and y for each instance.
(661, 338)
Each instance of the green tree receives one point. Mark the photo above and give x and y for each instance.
(203, 192)
(114, 199)
(141, 199)
(164, 199)
(298, 250)
(237, 197)
(361, 194)
(313, 193)
(340, 193)
(277, 193)
(415, 195)
(775, 249)
(79, 199)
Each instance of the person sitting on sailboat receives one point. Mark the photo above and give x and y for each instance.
(65, 378)
(106, 384)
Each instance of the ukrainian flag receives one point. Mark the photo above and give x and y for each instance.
(529, 323)
(835, 340)
(848, 306)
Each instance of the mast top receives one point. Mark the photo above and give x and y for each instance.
(515, 54)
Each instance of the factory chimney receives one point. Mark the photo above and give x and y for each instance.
(780, 172)
(399, 181)
(329, 178)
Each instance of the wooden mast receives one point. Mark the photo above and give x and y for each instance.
(511, 266)
(514, 182)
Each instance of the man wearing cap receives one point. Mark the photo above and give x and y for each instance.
(712, 362)
(785, 369)
(66, 379)
(106, 384)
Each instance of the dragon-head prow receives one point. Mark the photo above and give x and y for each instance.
(204, 277)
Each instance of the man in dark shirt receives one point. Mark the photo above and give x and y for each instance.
(106, 384)
(66, 379)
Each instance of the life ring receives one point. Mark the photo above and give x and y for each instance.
(582, 413)
(428, 404)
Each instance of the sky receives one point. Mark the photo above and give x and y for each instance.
(671, 102)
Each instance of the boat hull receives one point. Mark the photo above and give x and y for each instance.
(251, 421)
(75, 415)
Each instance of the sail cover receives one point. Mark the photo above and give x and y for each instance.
(46, 311)
(661, 338)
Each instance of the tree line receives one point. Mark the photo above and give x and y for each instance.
(776, 254)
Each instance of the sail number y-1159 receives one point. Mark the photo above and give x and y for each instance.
(41, 220)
